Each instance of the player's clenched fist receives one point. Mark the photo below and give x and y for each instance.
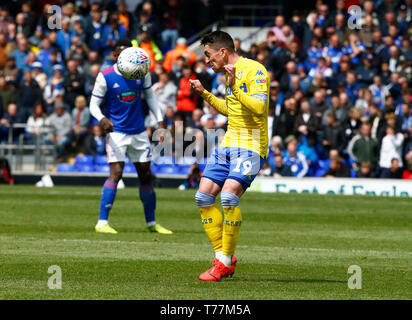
(231, 73)
(196, 85)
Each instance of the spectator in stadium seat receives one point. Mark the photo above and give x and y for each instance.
(22, 26)
(125, 18)
(202, 74)
(337, 169)
(364, 148)
(28, 93)
(352, 124)
(92, 59)
(5, 18)
(95, 143)
(21, 53)
(364, 101)
(379, 91)
(406, 117)
(365, 170)
(79, 32)
(407, 173)
(334, 137)
(352, 86)
(12, 116)
(366, 72)
(283, 125)
(178, 51)
(391, 148)
(6, 48)
(61, 121)
(7, 93)
(91, 76)
(354, 49)
(277, 29)
(321, 68)
(165, 91)
(296, 160)
(73, 83)
(219, 120)
(112, 32)
(186, 98)
(80, 120)
(146, 42)
(194, 122)
(319, 105)
(336, 107)
(38, 122)
(334, 51)
(168, 118)
(281, 169)
(306, 123)
(394, 172)
(64, 37)
(54, 88)
(94, 28)
(170, 33)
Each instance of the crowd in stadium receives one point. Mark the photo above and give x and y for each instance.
(340, 98)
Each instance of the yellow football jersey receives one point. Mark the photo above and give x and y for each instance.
(248, 119)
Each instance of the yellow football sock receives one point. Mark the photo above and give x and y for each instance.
(231, 226)
(212, 221)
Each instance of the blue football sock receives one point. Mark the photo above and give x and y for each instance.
(106, 202)
(148, 197)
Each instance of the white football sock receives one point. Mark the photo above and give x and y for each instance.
(101, 222)
(226, 260)
(218, 254)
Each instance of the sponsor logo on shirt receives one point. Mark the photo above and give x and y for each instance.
(128, 96)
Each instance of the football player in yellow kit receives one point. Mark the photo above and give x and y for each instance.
(242, 152)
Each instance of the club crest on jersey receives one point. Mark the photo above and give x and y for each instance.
(239, 75)
(259, 73)
(128, 96)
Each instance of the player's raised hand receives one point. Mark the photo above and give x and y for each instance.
(106, 125)
(197, 86)
(231, 73)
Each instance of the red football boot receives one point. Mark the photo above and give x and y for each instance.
(218, 271)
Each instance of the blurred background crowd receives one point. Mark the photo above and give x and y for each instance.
(340, 98)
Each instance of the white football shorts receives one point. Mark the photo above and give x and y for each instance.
(135, 146)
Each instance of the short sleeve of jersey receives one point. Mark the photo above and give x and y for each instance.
(258, 82)
(100, 86)
(147, 82)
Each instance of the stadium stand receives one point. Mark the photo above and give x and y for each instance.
(327, 80)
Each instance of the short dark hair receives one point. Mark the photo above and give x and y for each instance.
(219, 39)
(122, 43)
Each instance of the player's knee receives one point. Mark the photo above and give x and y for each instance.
(229, 199)
(116, 174)
(204, 199)
(146, 177)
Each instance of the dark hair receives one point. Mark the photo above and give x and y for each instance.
(219, 39)
(122, 43)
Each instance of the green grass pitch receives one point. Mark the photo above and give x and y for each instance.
(290, 247)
